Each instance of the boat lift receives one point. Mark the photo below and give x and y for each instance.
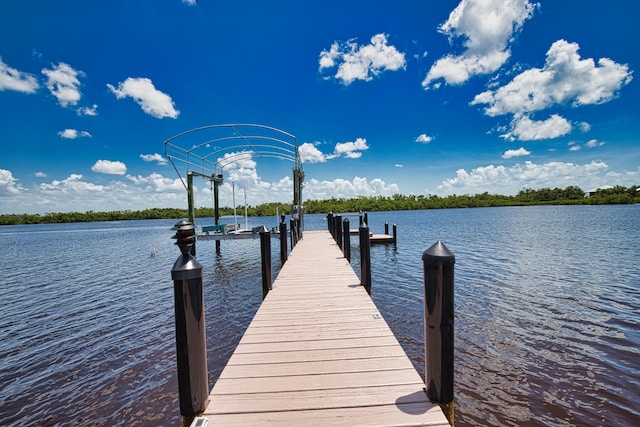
(207, 150)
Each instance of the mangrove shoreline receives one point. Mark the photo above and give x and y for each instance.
(569, 196)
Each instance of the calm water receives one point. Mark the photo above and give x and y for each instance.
(547, 314)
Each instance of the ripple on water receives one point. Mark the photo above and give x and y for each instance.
(546, 300)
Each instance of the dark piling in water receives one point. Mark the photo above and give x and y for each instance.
(438, 263)
(265, 256)
(365, 257)
(346, 245)
(283, 241)
(191, 341)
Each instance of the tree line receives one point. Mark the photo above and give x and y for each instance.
(545, 196)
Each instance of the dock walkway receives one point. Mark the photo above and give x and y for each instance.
(319, 353)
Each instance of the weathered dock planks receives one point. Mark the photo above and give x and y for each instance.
(318, 352)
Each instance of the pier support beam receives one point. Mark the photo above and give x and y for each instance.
(298, 178)
(216, 210)
(190, 202)
(191, 207)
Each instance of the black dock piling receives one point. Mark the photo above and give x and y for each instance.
(395, 236)
(365, 257)
(338, 222)
(438, 263)
(294, 234)
(191, 341)
(346, 244)
(283, 241)
(265, 256)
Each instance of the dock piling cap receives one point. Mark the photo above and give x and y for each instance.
(185, 236)
(183, 225)
(437, 253)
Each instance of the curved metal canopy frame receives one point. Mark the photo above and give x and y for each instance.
(207, 150)
(198, 149)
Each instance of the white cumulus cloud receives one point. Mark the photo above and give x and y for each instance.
(516, 153)
(237, 160)
(524, 128)
(584, 127)
(88, 111)
(155, 157)
(565, 78)
(72, 184)
(73, 134)
(509, 180)
(109, 167)
(594, 143)
(158, 183)
(339, 187)
(8, 184)
(144, 93)
(350, 150)
(63, 83)
(310, 153)
(362, 62)
(12, 79)
(486, 28)
(424, 139)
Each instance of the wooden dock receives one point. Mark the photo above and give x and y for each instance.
(376, 239)
(318, 352)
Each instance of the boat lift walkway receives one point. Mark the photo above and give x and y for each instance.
(318, 352)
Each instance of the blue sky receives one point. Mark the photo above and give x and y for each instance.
(412, 97)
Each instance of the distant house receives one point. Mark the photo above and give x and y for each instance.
(592, 193)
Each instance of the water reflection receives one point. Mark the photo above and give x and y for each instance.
(536, 299)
